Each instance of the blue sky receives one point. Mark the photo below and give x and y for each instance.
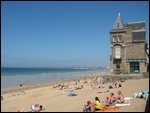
(51, 34)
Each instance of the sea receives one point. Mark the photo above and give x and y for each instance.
(13, 77)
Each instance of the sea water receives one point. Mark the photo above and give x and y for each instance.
(12, 77)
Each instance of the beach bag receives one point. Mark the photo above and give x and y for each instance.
(146, 95)
(135, 95)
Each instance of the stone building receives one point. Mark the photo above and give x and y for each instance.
(129, 48)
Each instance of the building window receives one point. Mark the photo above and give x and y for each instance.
(115, 38)
(117, 65)
(119, 38)
(117, 53)
(134, 67)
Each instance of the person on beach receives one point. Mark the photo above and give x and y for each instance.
(85, 81)
(110, 100)
(88, 107)
(75, 82)
(34, 108)
(140, 95)
(107, 101)
(115, 85)
(54, 86)
(76, 88)
(96, 86)
(120, 97)
(110, 87)
(20, 85)
(72, 93)
(98, 104)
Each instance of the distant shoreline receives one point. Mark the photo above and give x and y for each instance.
(104, 68)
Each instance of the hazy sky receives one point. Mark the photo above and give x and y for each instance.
(41, 34)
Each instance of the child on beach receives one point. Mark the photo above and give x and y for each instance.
(88, 107)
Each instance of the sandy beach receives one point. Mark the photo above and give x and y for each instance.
(54, 99)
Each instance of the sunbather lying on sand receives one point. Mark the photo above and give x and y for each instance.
(34, 108)
(76, 88)
(96, 86)
(85, 81)
(115, 85)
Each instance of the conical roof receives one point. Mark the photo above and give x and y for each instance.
(118, 23)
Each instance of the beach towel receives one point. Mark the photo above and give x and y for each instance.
(122, 105)
(110, 108)
(128, 99)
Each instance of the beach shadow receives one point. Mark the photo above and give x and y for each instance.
(147, 106)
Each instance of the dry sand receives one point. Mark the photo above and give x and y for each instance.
(58, 100)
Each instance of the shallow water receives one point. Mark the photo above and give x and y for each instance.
(14, 78)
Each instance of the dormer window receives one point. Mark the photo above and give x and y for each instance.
(119, 38)
(115, 38)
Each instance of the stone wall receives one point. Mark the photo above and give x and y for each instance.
(137, 50)
(143, 67)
